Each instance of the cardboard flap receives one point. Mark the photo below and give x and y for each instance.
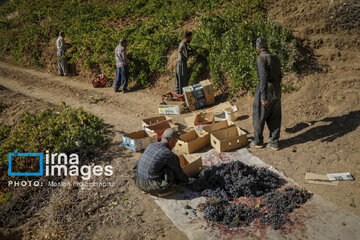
(139, 134)
(201, 118)
(156, 120)
(192, 141)
(191, 164)
(161, 126)
(190, 136)
(183, 161)
(204, 118)
(314, 176)
(227, 133)
(217, 126)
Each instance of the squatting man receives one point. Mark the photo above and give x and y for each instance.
(158, 169)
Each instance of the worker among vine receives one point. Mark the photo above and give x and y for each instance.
(267, 102)
(122, 67)
(181, 71)
(62, 59)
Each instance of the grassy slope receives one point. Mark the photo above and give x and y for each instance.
(223, 45)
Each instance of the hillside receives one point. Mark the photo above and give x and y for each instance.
(223, 46)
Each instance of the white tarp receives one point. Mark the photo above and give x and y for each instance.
(316, 219)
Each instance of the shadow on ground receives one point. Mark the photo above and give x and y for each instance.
(337, 127)
(307, 62)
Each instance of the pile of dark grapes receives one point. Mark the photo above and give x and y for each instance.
(230, 214)
(278, 204)
(232, 180)
(229, 181)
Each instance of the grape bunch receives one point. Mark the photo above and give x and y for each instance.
(273, 210)
(232, 180)
(224, 183)
(233, 215)
(279, 204)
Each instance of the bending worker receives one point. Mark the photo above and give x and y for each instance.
(62, 59)
(181, 71)
(158, 169)
(122, 67)
(267, 102)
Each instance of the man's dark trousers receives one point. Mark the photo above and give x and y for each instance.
(271, 115)
(121, 78)
(181, 77)
(157, 185)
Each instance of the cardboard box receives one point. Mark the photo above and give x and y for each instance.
(192, 141)
(155, 120)
(203, 119)
(200, 120)
(173, 107)
(193, 99)
(314, 178)
(190, 97)
(208, 92)
(200, 103)
(159, 129)
(137, 141)
(199, 91)
(217, 126)
(191, 164)
(228, 139)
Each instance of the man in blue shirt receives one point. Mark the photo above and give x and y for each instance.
(122, 67)
(158, 169)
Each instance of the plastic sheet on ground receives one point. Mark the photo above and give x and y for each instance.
(316, 219)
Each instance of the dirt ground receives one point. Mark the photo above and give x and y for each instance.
(320, 130)
(119, 212)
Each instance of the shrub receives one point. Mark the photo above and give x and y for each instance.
(60, 129)
(229, 41)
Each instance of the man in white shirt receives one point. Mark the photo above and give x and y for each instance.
(62, 60)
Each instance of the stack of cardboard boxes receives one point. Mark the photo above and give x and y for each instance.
(222, 135)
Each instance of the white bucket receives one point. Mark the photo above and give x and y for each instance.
(231, 113)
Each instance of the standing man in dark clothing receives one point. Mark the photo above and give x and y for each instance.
(181, 71)
(267, 102)
(159, 168)
(122, 67)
